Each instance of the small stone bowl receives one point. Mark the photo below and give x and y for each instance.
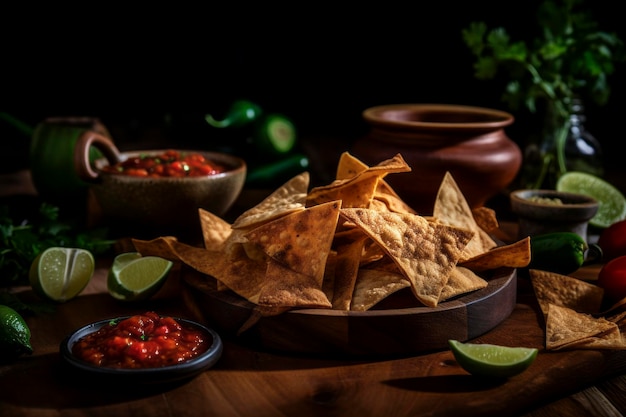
(148, 206)
(546, 211)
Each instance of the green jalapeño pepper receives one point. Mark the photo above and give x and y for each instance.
(560, 252)
(241, 113)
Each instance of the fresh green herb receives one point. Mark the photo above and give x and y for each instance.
(21, 242)
(571, 57)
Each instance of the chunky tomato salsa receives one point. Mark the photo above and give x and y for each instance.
(142, 341)
(170, 163)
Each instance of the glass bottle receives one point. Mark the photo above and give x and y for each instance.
(565, 145)
(582, 150)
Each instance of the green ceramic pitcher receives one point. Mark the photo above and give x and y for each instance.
(52, 156)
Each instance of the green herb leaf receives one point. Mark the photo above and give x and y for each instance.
(21, 241)
(571, 57)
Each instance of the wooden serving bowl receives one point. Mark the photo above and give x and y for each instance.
(395, 327)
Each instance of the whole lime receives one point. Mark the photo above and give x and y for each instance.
(14, 334)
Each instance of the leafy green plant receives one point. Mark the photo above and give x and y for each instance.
(571, 57)
(21, 242)
(568, 58)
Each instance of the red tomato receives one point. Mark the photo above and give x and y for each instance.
(612, 241)
(612, 278)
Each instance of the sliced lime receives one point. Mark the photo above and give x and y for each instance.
(611, 202)
(133, 277)
(276, 134)
(60, 274)
(492, 360)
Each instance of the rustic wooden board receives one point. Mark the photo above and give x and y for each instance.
(397, 327)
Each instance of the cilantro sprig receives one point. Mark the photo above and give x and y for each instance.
(22, 240)
(568, 57)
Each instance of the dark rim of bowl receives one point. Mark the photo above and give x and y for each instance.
(197, 364)
(568, 199)
(232, 163)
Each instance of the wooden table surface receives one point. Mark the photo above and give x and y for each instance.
(251, 382)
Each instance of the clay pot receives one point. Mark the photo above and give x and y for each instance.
(470, 142)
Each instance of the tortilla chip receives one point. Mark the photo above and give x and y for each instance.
(350, 193)
(426, 252)
(486, 219)
(451, 208)
(160, 246)
(238, 273)
(563, 291)
(566, 328)
(346, 268)
(387, 195)
(288, 198)
(349, 166)
(215, 230)
(514, 255)
(461, 281)
(285, 287)
(358, 190)
(373, 286)
(384, 196)
(301, 240)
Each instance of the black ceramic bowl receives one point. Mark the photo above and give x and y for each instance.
(181, 371)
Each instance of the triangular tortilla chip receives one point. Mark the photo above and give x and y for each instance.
(373, 286)
(385, 194)
(349, 166)
(426, 252)
(461, 281)
(486, 219)
(160, 246)
(354, 194)
(288, 198)
(565, 291)
(514, 255)
(451, 208)
(301, 240)
(566, 328)
(346, 269)
(285, 287)
(215, 230)
(241, 274)
(351, 193)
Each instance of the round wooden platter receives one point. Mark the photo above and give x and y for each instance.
(396, 326)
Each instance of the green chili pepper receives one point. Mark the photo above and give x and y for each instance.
(241, 113)
(560, 252)
(278, 171)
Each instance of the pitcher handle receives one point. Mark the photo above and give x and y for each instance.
(82, 162)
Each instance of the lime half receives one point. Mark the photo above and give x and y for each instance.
(492, 360)
(14, 334)
(133, 277)
(276, 135)
(60, 274)
(611, 202)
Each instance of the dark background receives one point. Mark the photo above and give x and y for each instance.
(151, 75)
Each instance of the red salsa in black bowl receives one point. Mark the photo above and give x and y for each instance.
(143, 348)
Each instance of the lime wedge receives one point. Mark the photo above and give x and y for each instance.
(611, 202)
(133, 277)
(60, 274)
(492, 360)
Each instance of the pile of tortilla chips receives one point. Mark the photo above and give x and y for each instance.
(572, 311)
(346, 245)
